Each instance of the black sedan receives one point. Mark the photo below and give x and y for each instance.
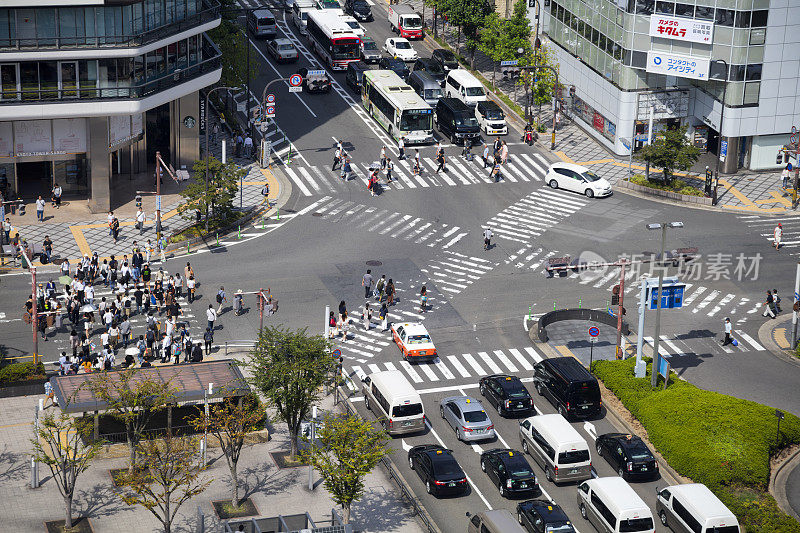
(430, 66)
(542, 516)
(509, 470)
(628, 455)
(438, 469)
(446, 59)
(507, 394)
(397, 65)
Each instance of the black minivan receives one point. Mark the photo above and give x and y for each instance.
(456, 120)
(355, 74)
(569, 387)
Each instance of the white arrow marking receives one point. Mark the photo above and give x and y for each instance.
(590, 429)
(406, 447)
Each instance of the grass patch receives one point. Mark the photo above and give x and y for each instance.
(678, 186)
(20, 372)
(721, 441)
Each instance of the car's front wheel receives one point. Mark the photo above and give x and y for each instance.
(553, 184)
(589, 193)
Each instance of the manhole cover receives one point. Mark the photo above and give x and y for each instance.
(374, 263)
(316, 214)
(289, 211)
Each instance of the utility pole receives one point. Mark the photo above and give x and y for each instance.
(556, 88)
(619, 309)
(721, 117)
(158, 193)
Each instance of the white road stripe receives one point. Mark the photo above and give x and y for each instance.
(411, 372)
(297, 181)
(474, 364)
(488, 361)
(533, 353)
(750, 340)
(458, 366)
(724, 301)
(426, 368)
(705, 302)
(443, 369)
(519, 357)
(308, 178)
(505, 360)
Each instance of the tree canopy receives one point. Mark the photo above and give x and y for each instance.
(670, 151)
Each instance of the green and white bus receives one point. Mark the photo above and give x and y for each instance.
(396, 107)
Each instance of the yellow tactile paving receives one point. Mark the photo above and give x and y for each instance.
(566, 352)
(564, 157)
(779, 334)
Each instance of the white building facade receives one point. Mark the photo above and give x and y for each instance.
(91, 89)
(626, 57)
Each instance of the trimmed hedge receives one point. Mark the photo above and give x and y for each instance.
(19, 372)
(714, 439)
(678, 186)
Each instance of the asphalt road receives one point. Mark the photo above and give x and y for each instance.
(431, 234)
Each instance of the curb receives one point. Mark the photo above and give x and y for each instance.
(765, 338)
(778, 479)
(667, 201)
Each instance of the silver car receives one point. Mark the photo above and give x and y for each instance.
(282, 50)
(467, 418)
(370, 52)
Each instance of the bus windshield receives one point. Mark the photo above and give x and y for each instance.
(347, 49)
(412, 120)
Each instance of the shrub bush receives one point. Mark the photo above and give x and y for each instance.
(678, 186)
(718, 440)
(16, 372)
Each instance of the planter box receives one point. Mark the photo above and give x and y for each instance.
(31, 387)
(678, 197)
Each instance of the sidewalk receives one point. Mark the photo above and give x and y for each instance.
(274, 491)
(746, 191)
(75, 231)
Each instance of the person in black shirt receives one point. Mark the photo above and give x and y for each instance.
(138, 294)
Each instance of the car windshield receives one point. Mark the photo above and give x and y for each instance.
(346, 50)
(475, 91)
(431, 94)
(360, 5)
(446, 466)
(418, 339)
(631, 525)
(494, 114)
(559, 527)
(402, 45)
(475, 416)
(266, 22)
(572, 457)
(465, 120)
(590, 176)
(518, 467)
(411, 121)
(447, 56)
(412, 23)
(434, 68)
(411, 409)
(370, 45)
(286, 46)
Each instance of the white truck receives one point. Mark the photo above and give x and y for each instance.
(405, 21)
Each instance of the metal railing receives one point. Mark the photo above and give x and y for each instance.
(238, 344)
(113, 41)
(165, 82)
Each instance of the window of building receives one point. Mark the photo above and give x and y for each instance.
(684, 10)
(759, 18)
(29, 76)
(665, 8)
(639, 59)
(724, 17)
(737, 72)
(704, 13)
(718, 71)
(645, 7)
(742, 19)
(9, 82)
(757, 37)
(46, 26)
(8, 26)
(753, 73)
(751, 92)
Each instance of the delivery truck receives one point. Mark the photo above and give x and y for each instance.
(405, 21)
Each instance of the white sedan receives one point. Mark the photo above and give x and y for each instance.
(400, 48)
(576, 178)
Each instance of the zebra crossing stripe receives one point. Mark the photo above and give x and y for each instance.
(366, 216)
(661, 349)
(443, 369)
(536, 357)
(402, 219)
(692, 297)
(426, 369)
(512, 173)
(454, 240)
(411, 372)
(408, 181)
(408, 226)
(458, 366)
(536, 166)
(505, 360)
(297, 181)
(390, 366)
(750, 340)
(671, 345)
(474, 364)
(519, 357)
(374, 368)
(458, 166)
(308, 178)
(488, 361)
(724, 301)
(702, 305)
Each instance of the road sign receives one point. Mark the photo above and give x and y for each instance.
(511, 63)
(315, 73)
(594, 331)
(723, 150)
(270, 98)
(270, 111)
(337, 352)
(295, 89)
(671, 296)
(295, 80)
(158, 203)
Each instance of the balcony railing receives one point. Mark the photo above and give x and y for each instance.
(208, 14)
(72, 93)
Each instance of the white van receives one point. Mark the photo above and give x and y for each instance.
(300, 11)
(693, 508)
(464, 86)
(612, 506)
(558, 448)
(394, 401)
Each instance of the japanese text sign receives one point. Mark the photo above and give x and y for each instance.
(678, 65)
(681, 29)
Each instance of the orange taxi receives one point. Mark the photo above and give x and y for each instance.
(414, 342)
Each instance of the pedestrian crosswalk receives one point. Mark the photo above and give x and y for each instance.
(390, 224)
(454, 272)
(312, 179)
(459, 366)
(699, 344)
(531, 216)
(765, 227)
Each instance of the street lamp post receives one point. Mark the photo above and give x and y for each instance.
(555, 74)
(208, 148)
(663, 227)
(721, 117)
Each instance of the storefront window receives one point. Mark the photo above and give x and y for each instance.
(88, 77)
(29, 74)
(8, 82)
(48, 79)
(193, 55)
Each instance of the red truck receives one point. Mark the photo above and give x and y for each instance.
(405, 21)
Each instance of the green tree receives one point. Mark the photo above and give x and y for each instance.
(350, 447)
(670, 151)
(288, 368)
(222, 189)
(169, 476)
(57, 443)
(234, 45)
(132, 396)
(230, 421)
(469, 16)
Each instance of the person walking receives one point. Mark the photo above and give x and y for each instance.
(380, 288)
(383, 314)
(7, 228)
(56, 195)
(487, 238)
(401, 147)
(346, 169)
(342, 311)
(110, 218)
(211, 317)
(337, 158)
(440, 160)
(768, 304)
(40, 208)
(140, 218)
(366, 316)
(47, 244)
(221, 299)
(366, 282)
(728, 331)
(383, 157)
(389, 168)
(777, 234)
(777, 300)
(390, 292)
(785, 176)
(423, 299)
(214, 132)
(417, 166)
(115, 228)
(485, 155)
(495, 172)
(504, 153)
(238, 302)
(332, 325)
(162, 248)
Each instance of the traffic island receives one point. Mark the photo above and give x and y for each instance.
(723, 442)
(640, 186)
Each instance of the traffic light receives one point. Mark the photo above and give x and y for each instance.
(510, 72)
(139, 201)
(615, 295)
(572, 91)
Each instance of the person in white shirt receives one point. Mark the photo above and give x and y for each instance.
(785, 177)
(110, 220)
(140, 218)
(777, 234)
(487, 238)
(57, 196)
(105, 338)
(211, 315)
(401, 147)
(108, 318)
(89, 294)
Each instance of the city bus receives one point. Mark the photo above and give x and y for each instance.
(396, 107)
(332, 38)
